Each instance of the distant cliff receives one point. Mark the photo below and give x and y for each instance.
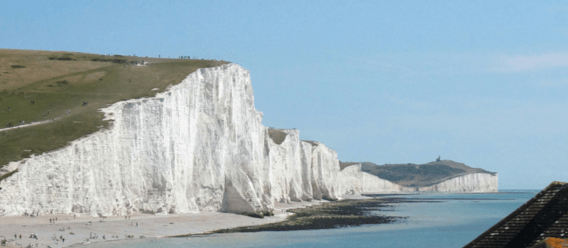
(440, 176)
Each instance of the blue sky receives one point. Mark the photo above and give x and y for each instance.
(480, 82)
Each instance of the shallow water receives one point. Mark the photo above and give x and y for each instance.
(434, 220)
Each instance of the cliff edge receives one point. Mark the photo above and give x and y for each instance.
(436, 176)
(198, 146)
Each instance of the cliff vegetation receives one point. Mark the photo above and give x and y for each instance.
(64, 91)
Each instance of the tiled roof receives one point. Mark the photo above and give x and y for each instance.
(545, 215)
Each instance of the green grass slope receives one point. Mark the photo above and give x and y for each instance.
(41, 85)
(419, 175)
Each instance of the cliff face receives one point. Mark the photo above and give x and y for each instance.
(421, 175)
(354, 181)
(199, 146)
(476, 182)
(302, 170)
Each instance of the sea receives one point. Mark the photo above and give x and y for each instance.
(433, 220)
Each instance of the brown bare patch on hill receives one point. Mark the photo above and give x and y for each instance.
(94, 76)
(37, 67)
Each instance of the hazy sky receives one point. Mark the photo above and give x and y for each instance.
(479, 82)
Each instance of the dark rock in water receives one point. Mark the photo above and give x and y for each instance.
(329, 215)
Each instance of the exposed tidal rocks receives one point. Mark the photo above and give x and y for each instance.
(344, 213)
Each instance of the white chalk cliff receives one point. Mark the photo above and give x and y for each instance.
(353, 181)
(475, 182)
(199, 146)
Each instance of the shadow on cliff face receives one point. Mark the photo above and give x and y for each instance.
(277, 136)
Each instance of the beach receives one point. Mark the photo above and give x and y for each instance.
(357, 220)
(86, 229)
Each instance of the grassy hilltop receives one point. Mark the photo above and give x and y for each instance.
(418, 175)
(41, 85)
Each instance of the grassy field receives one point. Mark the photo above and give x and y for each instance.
(41, 85)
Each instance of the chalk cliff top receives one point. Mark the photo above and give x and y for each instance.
(61, 93)
(419, 175)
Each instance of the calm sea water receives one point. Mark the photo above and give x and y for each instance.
(434, 220)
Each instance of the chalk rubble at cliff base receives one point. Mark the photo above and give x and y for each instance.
(198, 146)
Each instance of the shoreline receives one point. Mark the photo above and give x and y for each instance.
(329, 215)
(350, 211)
(85, 230)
